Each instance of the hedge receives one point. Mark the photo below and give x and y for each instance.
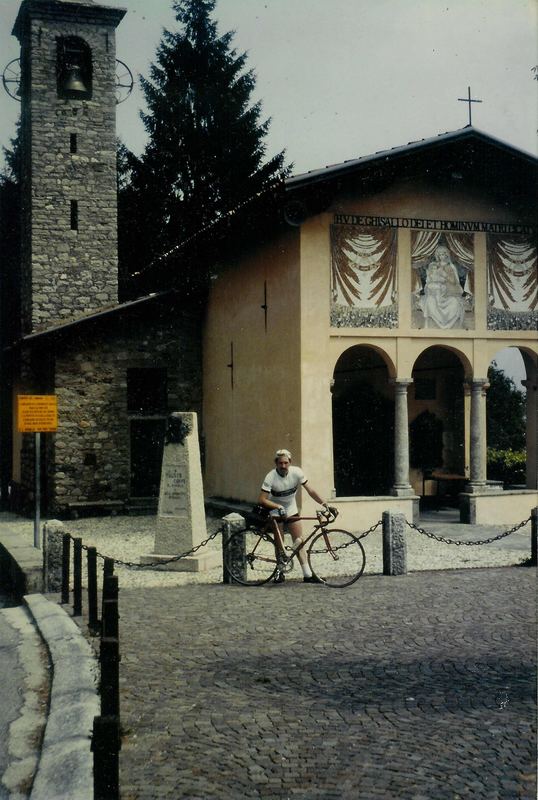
(508, 466)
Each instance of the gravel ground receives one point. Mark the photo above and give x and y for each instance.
(127, 538)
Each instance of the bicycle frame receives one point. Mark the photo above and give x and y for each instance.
(323, 520)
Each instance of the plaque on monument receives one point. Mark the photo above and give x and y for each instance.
(174, 489)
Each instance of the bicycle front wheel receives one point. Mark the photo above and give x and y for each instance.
(337, 557)
(250, 557)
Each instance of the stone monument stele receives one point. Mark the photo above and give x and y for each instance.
(181, 522)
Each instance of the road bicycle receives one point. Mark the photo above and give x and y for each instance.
(256, 555)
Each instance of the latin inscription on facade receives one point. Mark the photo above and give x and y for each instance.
(433, 224)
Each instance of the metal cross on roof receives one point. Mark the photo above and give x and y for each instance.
(469, 100)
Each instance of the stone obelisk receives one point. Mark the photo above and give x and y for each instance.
(181, 523)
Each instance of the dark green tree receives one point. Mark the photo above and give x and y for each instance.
(506, 412)
(10, 241)
(205, 153)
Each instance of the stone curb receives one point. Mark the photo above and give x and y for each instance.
(65, 770)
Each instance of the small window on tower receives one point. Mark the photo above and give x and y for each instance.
(74, 215)
(73, 144)
(73, 68)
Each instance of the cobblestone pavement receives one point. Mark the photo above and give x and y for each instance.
(419, 687)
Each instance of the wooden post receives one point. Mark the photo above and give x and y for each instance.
(66, 553)
(77, 577)
(106, 745)
(93, 620)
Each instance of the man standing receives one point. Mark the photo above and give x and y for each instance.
(278, 493)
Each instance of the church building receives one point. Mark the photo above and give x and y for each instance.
(366, 327)
(356, 329)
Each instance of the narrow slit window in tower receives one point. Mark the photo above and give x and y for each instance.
(73, 144)
(74, 215)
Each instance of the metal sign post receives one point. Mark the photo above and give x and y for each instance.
(37, 477)
(37, 413)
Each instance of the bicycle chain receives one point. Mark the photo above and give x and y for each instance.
(457, 542)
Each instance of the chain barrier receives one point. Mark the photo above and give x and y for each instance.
(363, 535)
(370, 530)
(134, 565)
(457, 542)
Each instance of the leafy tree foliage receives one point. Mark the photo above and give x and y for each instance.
(205, 153)
(506, 412)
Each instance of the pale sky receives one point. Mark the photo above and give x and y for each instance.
(345, 78)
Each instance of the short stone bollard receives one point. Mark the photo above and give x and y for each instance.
(52, 555)
(394, 544)
(232, 522)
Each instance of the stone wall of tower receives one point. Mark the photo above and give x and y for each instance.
(67, 272)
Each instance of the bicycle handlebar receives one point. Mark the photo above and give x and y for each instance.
(329, 514)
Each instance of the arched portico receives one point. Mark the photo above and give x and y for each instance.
(438, 420)
(363, 411)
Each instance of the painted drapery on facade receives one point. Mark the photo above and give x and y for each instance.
(363, 277)
(512, 283)
(443, 280)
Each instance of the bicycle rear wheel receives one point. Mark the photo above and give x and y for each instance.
(337, 557)
(250, 557)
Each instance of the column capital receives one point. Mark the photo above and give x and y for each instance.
(479, 383)
(401, 383)
(475, 386)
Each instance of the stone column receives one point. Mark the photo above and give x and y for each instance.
(467, 428)
(477, 480)
(532, 432)
(401, 487)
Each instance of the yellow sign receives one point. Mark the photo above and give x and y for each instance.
(37, 413)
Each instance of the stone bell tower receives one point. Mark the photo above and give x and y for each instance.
(68, 118)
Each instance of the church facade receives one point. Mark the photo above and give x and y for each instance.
(357, 331)
(366, 328)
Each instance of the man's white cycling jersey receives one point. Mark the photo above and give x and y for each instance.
(283, 489)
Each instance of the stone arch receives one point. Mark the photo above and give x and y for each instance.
(437, 420)
(363, 422)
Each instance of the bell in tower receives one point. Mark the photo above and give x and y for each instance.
(74, 68)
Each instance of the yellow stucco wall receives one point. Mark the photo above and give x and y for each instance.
(243, 426)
